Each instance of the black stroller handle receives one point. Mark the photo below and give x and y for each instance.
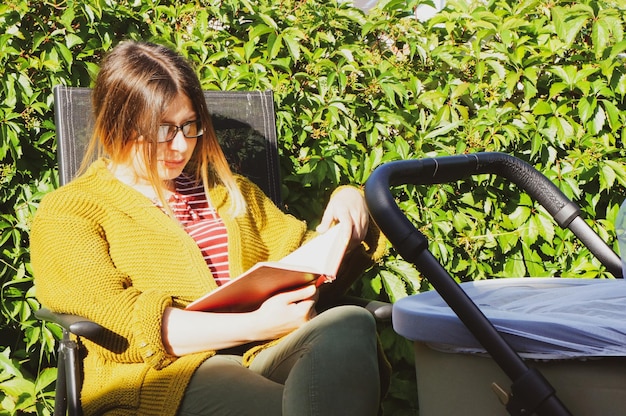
(531, 392)
(452, 168)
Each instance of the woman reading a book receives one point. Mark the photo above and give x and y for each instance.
(157, 221)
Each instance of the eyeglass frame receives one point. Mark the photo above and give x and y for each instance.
(180, 128)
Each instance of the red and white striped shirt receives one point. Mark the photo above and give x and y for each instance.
(193, 210)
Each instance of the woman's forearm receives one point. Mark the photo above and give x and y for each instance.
(186, 332)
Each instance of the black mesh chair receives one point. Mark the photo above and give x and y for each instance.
(244, 122)
(246, 128)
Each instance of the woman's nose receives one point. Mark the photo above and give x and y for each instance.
(179, 142)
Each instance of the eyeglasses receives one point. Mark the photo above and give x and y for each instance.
(190, 129)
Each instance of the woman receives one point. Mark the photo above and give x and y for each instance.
(157, 221)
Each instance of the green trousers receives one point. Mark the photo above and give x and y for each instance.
(327, 367)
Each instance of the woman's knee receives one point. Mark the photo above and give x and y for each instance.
(347, 322)
(350, 316)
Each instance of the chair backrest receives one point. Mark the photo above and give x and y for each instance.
(244, 121)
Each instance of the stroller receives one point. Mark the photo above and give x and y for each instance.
(432, 318)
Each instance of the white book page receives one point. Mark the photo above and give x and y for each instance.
(323, 253)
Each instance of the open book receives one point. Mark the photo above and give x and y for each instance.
(316, 262)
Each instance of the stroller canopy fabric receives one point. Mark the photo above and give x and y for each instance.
(542, 318)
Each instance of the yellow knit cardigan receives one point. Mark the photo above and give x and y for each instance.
(104, 251)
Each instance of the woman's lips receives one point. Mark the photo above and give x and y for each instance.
(173, 164)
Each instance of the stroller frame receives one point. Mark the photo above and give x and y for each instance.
(530, 391)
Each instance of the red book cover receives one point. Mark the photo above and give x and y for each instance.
(317, 262)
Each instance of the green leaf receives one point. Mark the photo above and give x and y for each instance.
(613, 114)
(542, 107)
(293, 45)
(621, 85)
(65, 53)
(409, 274)
(557, 88)
(260, 30)
(7, 365)
(514, 265)
(567, 28)
(520, 216)
(533, 262)
(586, 108)
(276, 45)
(601, 36)
(394, 285)
(607, 177)
(498, 68)
(72, 40)
(598, 121)
(443, 130)
(269, 21)
(45, 378)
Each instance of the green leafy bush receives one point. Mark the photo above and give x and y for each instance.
(542, 80)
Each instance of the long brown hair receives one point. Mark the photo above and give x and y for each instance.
(136, 83)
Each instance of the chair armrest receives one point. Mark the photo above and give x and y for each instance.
(75, 324)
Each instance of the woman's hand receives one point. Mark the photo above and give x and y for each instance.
(285, 312)
(347, 206)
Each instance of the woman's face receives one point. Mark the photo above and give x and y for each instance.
(174, 154)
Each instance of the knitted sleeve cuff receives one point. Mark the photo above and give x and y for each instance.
(146, 324)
